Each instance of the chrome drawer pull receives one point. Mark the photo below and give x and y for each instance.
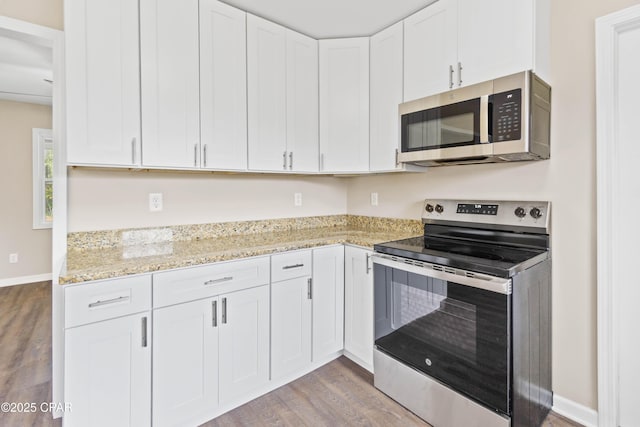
(214, 281)
(289, 267)
(108, 301)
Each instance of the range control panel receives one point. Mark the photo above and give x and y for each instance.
(504, 213)
(507, 109)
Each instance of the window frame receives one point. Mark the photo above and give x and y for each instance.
(42, 139)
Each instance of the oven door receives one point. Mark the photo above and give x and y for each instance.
(453, 328)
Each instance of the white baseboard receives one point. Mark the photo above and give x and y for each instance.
(23, 280)
(575, 411)
(358, 360)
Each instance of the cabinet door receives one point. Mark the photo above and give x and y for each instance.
(266, 85)
(223, 86)
(386, 94)
(430, 50)
(344, 104)
(185, 363)
(244, 342)
(495, 38)
(302, 102)
(358, 303)
(107, 373)
(102, 82)
(170, 88)
(290, 326)
(328, 301)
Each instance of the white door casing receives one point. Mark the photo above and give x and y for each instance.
(617, 92)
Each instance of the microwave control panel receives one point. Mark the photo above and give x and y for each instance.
(507, 113)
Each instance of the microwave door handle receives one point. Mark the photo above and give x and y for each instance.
(484, 119)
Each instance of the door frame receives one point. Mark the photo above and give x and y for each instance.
(608, 29)
(50, 37)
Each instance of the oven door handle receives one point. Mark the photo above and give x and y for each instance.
(479, 280)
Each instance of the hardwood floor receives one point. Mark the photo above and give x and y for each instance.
(340, 393)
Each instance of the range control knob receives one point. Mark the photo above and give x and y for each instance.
(439, 208)
(520, 212)
(429, 208)
(535, 213)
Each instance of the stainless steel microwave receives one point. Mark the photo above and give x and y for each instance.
(501, 120)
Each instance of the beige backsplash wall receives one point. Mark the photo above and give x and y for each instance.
(41, 12)
(567, 180)
(103, 200)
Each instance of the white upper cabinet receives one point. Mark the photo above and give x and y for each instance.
(430, 50)
(495, 38)
(386, 68)
(267, 86)
(302, 103)
(283, 98)
(170, 83)
(344, 105)
(102, 82)
(454, 43)
(223, 86)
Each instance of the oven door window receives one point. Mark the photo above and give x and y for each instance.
(455, 333)
(447, 126)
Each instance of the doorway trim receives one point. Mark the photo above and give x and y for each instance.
(608, 29)
(50, 37)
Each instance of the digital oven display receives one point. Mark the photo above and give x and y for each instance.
(472, 208)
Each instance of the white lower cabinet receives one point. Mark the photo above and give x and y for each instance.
(185, 363)
(291, 326)
(107, 353)
(244, 343)
(358, 303)
(208, 353)
(328, 301)
(107, 373)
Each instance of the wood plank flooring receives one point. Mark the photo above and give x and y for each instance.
(340, 393)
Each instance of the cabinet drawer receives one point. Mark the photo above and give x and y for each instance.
(290, 265)
(173, 287)
(96, 301)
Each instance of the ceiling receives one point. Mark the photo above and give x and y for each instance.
(24, 66)
(332, 18)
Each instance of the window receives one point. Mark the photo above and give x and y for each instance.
(42, 178)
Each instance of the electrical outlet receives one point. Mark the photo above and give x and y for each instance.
(155, 202)
(374, 199)
(13, 258)
(297, 199)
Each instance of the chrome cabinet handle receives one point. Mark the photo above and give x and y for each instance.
(309, 288)
(204, 155)
(214, 313)
(459, 73)
(133, 150)
(144, 331)
(214, 281)
(450, 76)
(289, 267)
(108, 301)
(224, 311)
(195, 155)
(321, 161)
(397, 154)
(367, 262)
(291, 160)
(284, 160)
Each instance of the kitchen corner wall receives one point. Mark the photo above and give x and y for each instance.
(568, 180)
(104, 200)
(17, 235)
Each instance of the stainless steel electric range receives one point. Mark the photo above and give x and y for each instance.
(463, 315)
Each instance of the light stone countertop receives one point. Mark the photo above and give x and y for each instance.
(94, 263)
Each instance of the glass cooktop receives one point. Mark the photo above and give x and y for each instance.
(497, 260)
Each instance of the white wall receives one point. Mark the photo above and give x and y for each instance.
(567, 180)
(103, 200)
